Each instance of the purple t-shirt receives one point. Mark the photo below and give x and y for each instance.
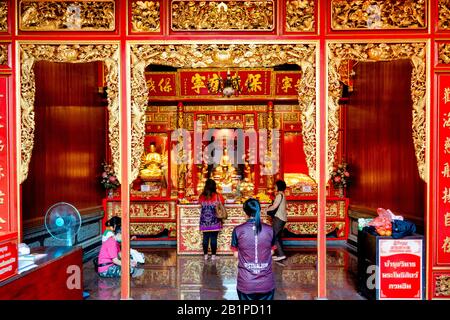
(255, 258)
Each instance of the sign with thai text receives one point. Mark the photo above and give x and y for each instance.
(400, 269)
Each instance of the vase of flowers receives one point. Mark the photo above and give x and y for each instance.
(340, 178)
(109, 179)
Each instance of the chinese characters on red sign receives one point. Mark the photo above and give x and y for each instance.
(205, 83)
(443, 217)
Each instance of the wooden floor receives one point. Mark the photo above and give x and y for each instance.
(167, 276)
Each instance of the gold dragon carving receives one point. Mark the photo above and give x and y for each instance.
(415, 52)
(222, 15)
(31, 53)
(300, 15)
(444, 14)
(224, 55)
(378, 14)
(311, 227)
(152, 228)
(145, 16)
(38, 15)
(3, 54)
(3, 16)
(443, 286)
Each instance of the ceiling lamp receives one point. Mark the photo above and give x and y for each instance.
(227, 87)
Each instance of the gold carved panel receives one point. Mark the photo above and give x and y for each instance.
(300, 15)
(310, 228)
(444, 14)
(226, 15)
(152, 210)
(290, 117)
(4, 16)
(3, 54)
(442, 286)
(145, 16)
(334, 259)
(251, 55)
(95, 15)
(334, 209)
(415, 52)
(190, 237)
(378, 14)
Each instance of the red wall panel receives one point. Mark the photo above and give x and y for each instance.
(380, 148)
(70, 140)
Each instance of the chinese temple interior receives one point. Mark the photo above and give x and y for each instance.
(125, 108)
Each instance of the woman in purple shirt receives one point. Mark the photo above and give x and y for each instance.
(253, 244)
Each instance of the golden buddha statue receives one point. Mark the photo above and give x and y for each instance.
(224, 173)
(152, 164)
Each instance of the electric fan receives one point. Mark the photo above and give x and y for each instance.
(63, 221)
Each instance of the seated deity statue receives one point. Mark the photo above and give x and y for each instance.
(152, 164)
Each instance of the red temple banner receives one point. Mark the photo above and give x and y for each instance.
(202, 83)
(5, 223)
(287, 83)
(161, 84)
(443, 217)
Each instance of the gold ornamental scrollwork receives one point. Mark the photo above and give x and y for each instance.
(300, 15)
(223, 15)
(225, 55)
(444, 14)
(444, 53)
(442, 286)
(31, 53)
(38, 15)
(415, 52)
(378, 14)
(3, 16)
(145, 16)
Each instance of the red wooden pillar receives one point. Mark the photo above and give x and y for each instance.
(321, 158)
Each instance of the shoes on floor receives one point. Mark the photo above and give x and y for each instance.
(206, 257)
(279, 258)
(213, 257)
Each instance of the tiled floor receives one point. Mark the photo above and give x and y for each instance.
(170, 277)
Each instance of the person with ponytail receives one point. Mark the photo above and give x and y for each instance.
(253, 243)
(210, 225)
